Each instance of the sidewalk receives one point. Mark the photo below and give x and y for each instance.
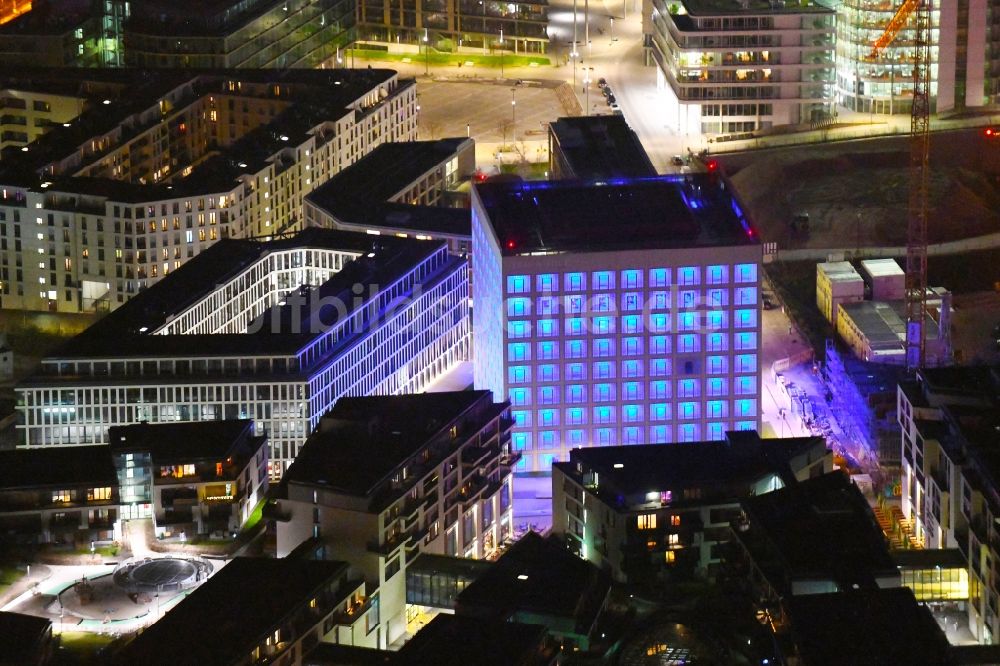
(37, 574)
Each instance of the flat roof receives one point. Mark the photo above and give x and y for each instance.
(601, 147)
(744, 7)
(743, 456)
(23, 636)
(884, 322)
(839, 271)
(333, 654)
(819, 528)
(54, 466)
(232, 612)
(539, 576)
(880, 626)
(356, 193)
(882, 267)
(693, 210)
(365, 439)
(454, 640)
(184, 441)
(130, 330)
(928, 558)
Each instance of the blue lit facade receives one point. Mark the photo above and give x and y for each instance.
(603, 348)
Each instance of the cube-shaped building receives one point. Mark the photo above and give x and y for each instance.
(612, 312)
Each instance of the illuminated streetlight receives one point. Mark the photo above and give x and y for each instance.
(426, 55)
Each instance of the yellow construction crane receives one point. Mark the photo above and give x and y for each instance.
(919, 11)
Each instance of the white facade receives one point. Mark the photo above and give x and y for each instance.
(885, 278)
(75, 399)
(742, 70)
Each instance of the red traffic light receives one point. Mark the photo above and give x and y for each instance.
(712, 166)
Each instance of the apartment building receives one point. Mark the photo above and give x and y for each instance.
(271, 331)
(950, 473)
(63, 497)
(387, 478)
(159, 166)
(656, 513)
(202, 477)
(744, 65)
(231, 34)
(616, 312)
(27, 114)
(257, 611)
(404, 188)
(964, 57)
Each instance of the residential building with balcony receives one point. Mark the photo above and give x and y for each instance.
(273, 331)
(616, 311)
(258, 611)
(385, 479)
(230, 34)
(158, 165)
(201, 477)
(652, 513)
(951, 477)
(403, 188)
(592, 147)
(741, 66)
(26, 114)
(67, 496)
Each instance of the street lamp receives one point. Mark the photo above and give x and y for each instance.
(426, 55)
(586, 87)
(513, 115)
(612, 28)
(501, 53)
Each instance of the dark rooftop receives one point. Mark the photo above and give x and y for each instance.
(57, 466)
(928, 558)
(540, 578)
(882, 627)
(22, 637)
(129, 331)
(362, 440)
(182, 442)
(601, 147)
(751, 7)
(353, 194)
(741, 457)
(332, 654)
(195, 17)
(452, 640)
(231, 613)
(822, 528)
(622, 214)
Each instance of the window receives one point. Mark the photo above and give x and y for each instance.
(715, 342)
(521, 441)
(746, 363)
(670, 556)
(604, 392)
(745, 385)
(673, 539)
(745, 296)
(659, 390)
(548, 439)
(660, 367)
(631, 301)
(548, 417)
(547, 328)
(717, 365)
(687, 410)
(659, 344)
(603, 303)
(659, 323)
(548, 395)
(660, 300)
(548, 373)
(575, 304)
(715, 320)
(659, 411)
(575, 326)
(746, 425)
(604, 436)
(604, 370)
(632, 368)
(548, 351)
(687, 321)
(631, 346)
(687, 388)
(745, 407)
(576, 393)
(518, 329)
(716, 386)
(631, 279)
(745, 341)
(518, 307)
(717, 298)
(659, 277)
(519, 351)
(631, 413)
(546, 282)
(61, 496)
(603, 325)
(576, 371)
(715, 431)
(576, 348)
(575, 282)
(518, 284)
(659, 434)
(715, 409)
(688, 275)
(603, 280)
(98, 494)
(745, 318)
(717, 274)
(391, 568)
(604, 414)
(575, 437)
(687, 344)
(604, 347)
(646, 521)
(548, 305)
(631, 324)
(688, 432)
(675, 520)
(632, 390)
(688, 299)
(576, 416)
(746, 273)
(631, 435)
(522, 418)
(520, 396)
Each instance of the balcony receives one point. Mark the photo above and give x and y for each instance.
(387, 547)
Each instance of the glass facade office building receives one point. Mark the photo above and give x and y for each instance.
(621, 344)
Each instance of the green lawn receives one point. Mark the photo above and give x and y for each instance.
(439, 58)
(83, 645)
(8, 576)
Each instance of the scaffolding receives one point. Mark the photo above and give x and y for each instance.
(880, 81)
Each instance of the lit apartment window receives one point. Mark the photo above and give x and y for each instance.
(60, 496)
(631, 279)
(717, 274)
(746, 272)
(98, 494)
(659, 277)
(518, 284)
(575, 282)
(546, 282)
(675, 520)
(646, 521)
(688, 275)
(671, 557)
(673, 539)
(603, 280)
